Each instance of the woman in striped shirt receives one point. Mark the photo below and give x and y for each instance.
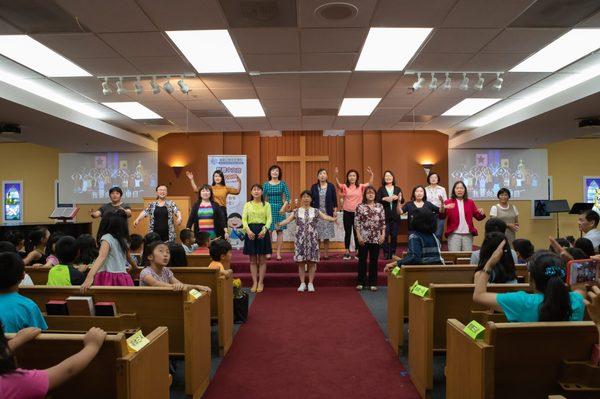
(207, 216)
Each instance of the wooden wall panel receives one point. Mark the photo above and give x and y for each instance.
(232, 143)
(372, 156)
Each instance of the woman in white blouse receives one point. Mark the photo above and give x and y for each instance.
(508, 213)
(434, 192)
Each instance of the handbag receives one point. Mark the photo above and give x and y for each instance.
(240, 308)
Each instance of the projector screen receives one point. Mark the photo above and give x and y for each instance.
(523, 172)
(85, 178)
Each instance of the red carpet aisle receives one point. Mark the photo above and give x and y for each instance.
(318, 345)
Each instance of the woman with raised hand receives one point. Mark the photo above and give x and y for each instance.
(352, 193)
(219, 188)
(437, 195)
(207, 216)
(389, 195)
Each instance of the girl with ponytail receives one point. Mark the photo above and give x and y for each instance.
(552, 300)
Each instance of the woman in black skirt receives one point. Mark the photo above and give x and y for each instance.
(256, 220)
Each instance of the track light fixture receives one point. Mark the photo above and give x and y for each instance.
(182, 86)
(120, 88)
(155, 86)
(479, 84)
(137, 86)
(464, 84)
(497, 85)
(434, 82)
(168, 87)
(106, 90)
(447, 82)
(419, 83)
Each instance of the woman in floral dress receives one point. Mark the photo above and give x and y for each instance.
(370, 233)
(306, 252)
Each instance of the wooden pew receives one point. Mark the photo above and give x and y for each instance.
(187, 319)
(198, 260)
(120, 322)
(114, 372)
(427, 325)
(397, 291)
(221, 303)
(514, 360)
(452, 257)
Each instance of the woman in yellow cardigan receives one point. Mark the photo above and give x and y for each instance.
(256, 219)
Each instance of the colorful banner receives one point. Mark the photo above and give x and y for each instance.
(232, 166)
(12, 201)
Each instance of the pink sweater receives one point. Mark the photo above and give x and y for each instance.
(352, 196)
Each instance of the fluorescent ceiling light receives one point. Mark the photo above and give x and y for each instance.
(536, 95)
(133, 109)
(470, 106)
(209, 51)
(390, 49)
(244, 108)
(358, 106)
(34, 55)
(566, 49)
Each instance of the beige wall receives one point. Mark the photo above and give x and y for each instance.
(568, 162)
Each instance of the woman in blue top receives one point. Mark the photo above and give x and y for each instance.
(277, 194)
(552, 301)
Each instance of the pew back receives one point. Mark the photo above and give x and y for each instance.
(198, 260)
(516, 360)
(114, 373)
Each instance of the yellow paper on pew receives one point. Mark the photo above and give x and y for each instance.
(136, 342)
(474, 330)
(419, 290)
(396, 271)
(194, 294)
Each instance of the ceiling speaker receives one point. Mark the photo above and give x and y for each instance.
(336, 11)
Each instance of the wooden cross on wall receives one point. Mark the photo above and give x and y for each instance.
(303, 159)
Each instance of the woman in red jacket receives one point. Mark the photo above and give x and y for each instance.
(460, 211)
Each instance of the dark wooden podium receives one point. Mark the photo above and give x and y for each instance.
(72, 229)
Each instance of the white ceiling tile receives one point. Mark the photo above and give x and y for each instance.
(328, 61)
(459, 40)
(281, 103)
(139, 44)
(308, 18)
(206, 104)
(522, 40)
(438, 61)
(77, 45)
(489, 13)
(407, 126)
(317, 122)
(106, 66)
(288, 81)
(278, 92)
(229, 81)
(109, 15)
(276, 111)
(267, 40)
(322, 92)
(191, 124)
(272, 62)
(286, 123)
(370, 84)
(350, 122)
(185, 14)
(443, 122)
(254, 123)
(403, 13)
(435, 106)
(324, 80)
(347, 40)
(161, 65)
(493, 61)
(327, 103)
(225, 123)
(243, 93)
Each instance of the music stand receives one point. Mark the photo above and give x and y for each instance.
(557, 206)
(580, 207)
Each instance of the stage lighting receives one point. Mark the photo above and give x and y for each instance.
(479, 85)
(182, 86)
(447, 82)
(106, 90)
(464, 84)
(498, 82)
(434, 82)
(137, 86)
(419, 83)
(155, 86)
(168, 87)
(120, 88)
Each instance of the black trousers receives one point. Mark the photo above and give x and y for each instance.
(348, 227)
(391, 237)
(368, 252)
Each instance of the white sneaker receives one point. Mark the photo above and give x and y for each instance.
(311, 287)
(302, 287)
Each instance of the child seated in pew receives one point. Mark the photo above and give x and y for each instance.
(87, 252)
(16, 238)
(524, 249)
(586, 245)
(16, 383)
(220, 253)
(51, 259)
(148, 239)
(16, 311)
(110, 267)
(552, 301)
(203, 240)
(6, 246)
(136, 245)
(36, 246)
(188, 241)
(563, 243)
(503, 271)
(423, 244)
(492, 225)
(65, 274)
(178, 256)
(158, 274)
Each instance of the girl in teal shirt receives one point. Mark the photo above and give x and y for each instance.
(552, 300)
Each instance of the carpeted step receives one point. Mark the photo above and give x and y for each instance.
(321, 279)
(286, 266)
